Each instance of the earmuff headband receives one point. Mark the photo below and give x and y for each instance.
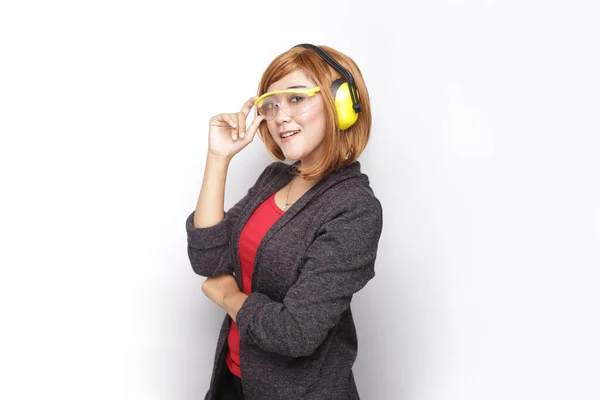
(345, 73)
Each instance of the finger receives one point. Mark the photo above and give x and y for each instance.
(233, 122)
(224, 120)
(241, 118)
(253, 127)
(248, 105)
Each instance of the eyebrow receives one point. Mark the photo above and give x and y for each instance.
(292, 87)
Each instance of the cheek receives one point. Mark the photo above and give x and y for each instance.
(315, 117)
(272, 127)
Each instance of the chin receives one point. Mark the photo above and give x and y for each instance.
(293, 156)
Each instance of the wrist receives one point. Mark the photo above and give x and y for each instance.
(218, 159)
(233, 302)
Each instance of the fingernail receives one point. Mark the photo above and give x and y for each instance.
(242, 134)
(234, 137)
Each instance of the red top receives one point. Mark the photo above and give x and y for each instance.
(257, 226)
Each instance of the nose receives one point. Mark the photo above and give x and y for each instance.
(281, 117)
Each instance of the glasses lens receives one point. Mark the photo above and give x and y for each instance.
(291, 103)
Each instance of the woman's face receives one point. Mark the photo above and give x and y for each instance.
(306, 145)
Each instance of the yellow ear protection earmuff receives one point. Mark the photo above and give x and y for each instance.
(344, 91)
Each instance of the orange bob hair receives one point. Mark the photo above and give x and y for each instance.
(340, 148)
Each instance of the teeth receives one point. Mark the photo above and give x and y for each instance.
(289, 134)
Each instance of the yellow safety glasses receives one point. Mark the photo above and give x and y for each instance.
(292, 102)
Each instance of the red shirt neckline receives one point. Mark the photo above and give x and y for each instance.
(275, 206)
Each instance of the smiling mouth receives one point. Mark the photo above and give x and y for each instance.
(289, 134)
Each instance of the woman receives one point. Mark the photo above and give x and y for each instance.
(285, 261)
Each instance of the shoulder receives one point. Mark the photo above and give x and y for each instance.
(355, 203)
(353, 222)
(358, 199)
(354, 191)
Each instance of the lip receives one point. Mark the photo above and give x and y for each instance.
(288, 138)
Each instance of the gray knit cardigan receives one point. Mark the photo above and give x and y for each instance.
(298, 339)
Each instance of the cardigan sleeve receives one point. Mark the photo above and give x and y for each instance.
(339, 262)
(208, 247)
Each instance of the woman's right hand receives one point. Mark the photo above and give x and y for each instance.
(227, 134)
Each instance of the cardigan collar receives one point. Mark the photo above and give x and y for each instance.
(351, 171)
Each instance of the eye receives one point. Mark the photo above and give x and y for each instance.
(267, 106)
(296, 99)
(268, 109)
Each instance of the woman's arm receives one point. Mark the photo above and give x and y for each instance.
(224, 291)
(210, 205)
(208, 234)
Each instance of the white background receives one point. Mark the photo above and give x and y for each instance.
(484, 155)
